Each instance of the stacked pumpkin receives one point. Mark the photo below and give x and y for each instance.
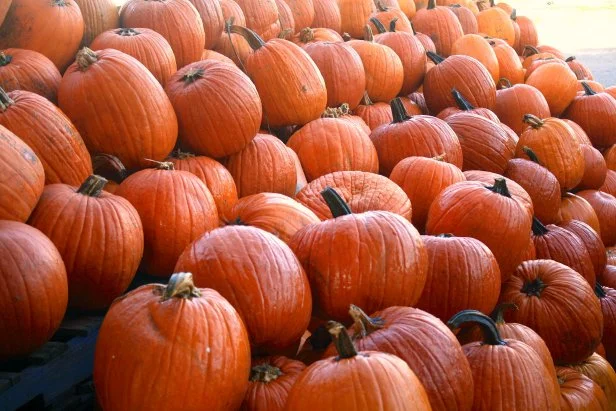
(293, 168)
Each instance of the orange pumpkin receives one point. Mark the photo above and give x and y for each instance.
(309, 35)
(230, 9)
(473, 45)
(574, 207)
(557, 83)
(327, 15)
(595, 169)
(496, 22)
(592, 242)
(441, 24)
(233, 45)
(509, 64)
(354, 15)
(601, 372)
(528, 34)
(375, 114)
(605, 207)
(387, 15)
(577, 391)
(610, 157)
(285, 17)
(29, 71)
(513, 102)
(463, 106)
(581, 71)
(466, 17)
(214, 55)
(595, 113)
(261, 17)
(98, 17)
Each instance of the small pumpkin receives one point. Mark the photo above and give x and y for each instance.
(98, 17)
(375, 114)
(285, 19)
(577, 391)
(574, 207)
(581, 71)
(595, 113)
(605, 207)
(441, 24)
(29, 70)
(327, 14)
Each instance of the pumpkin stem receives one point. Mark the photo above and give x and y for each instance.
(85, 58)
(366, 100)
(587, 89)
(379, 6)
(500, 187)
(530, 51)
(392, 24)
(368, 34)
(500, 310)
(342, 341)
(532, 120)
(192, 75)
(514, 15)
(379, 26)
(5, 100)
(284, 34)
(445, 235)
(533, 288)
(336, 112)
(599, 291)
(570, 59)
(93, 186)
(127, 32)
(4, 59)
(162, 165)
(461, 102)
(254, 41)
(181, 285)
(413, 28)
(504, 82)
(264, 373)
(492, 3)
(531, 154)
(110, 167)
(436, 59)
(336, 204)
(538, 228)
(398, 110)
(363, 324)
(431, 4)
(181, 155)
(346, 37)
(491, 336)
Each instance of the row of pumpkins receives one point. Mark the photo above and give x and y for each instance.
(288, 162)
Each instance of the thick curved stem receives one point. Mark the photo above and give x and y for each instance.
(379, 26)
(398, 111)
(570, 59)
(431, 4)
(587, 89)
(499, 311)
(504, 83)
(413, 28)
(363, 324)
(530, 51)
(85, 58)
(491, 336)
(162, 165)
(533, 121)
(341, 339)
(336, 204)
(5, 100)
(93, 186)
(599, 291)
(500, 187)
(264, 373)
(110, 167)
(538, 228)
(254, 41)
(368, 34)
(392, 24)
(181, 285)
(461, 102)
(436, 59)
(531, 154)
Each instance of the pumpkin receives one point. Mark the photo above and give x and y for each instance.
(513, 102)
(558, 244)
(96, 274)
(387, 14)
(473, 45)
(140, 122)
(610, 157)
(215, 176)
(496, 362)
(233, 45)
(362, 191)
(591, 241)
(485, 144)
(465, 74)
(270, 381)
(350, 148)
(353, 16)
(466, 17)
(376, 114)
(528, 34)
(49, 133)
(426, 42)
(509, 64)
(555, 145)
(4, 9)
(407, 6)
(548, 295)
(285, 18)
(459, 263)
(230, 9)
(366, 379)
(553, 50)
(557, 83)
(574, 207)
(422, 179)
(424, 343)
(175, 208)
(309, 35)
(29, 71)
(27, 27)
(327, 15)
(245, 274)
(503, 223)
(595, 169)
(577, 391)
(441, 24)
(579, 133)
(150, 48)
(303, 12)
(601, 372)
(595, 85)
(392, 265)
(514, 188)
(214, 55)
(178, 21)
(21, 177)
(98, 17)
(609, 186)
(34, 293)
(607, 297)
(197, 331)
(301, 97)
(419, 135)
(608, 277)
(463, 106)
(212, 18)
(595, 113)
(261, 17)
(605, 207)
(496, 22)
(579, 69)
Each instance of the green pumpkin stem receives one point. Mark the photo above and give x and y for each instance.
(500, 187)
(85, 58)
(5, 100)
(398, 111)
(461, 102)
(342, 341)
(5, 59)
(499, 312)
(533, 288)
(533, 121)
(93, 186)
(413, 28)
(504, 82)
(431, 4)
(530, 51)
(264, 373)
(599, 291)
(254, 41)
(336, 204)
(368, 34)
(531, 154)
(363, 324)
(588, 91)
(392, 24)
(192, 75)
(366, 101)
(127, 32)
(379, 26)
(181, 285)
(436, 59)
(538, 228)
(491, 336)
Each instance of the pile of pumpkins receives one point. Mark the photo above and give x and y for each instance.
(354, 204)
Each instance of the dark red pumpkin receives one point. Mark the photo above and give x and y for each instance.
(605, 207)
(609, 186)
(595, 169)
(574, 207)
(592, 242)
(28, 70)
(596, 114)
(607, 297)
(441, 24)
(610, 157)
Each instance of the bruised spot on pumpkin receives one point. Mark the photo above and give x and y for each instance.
(304, 88)
(29, 155)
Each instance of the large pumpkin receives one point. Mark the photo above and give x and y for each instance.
(21, 178)
(201, 345)
(150, 48)
(557, 83)
(354, 15)
(128, 116)
(379, 262)
(210, 12)
(441, 24)
(98, 17)
(513, 102)
(53, 28)
(28, 70)
(548, 295)
(51, 135)
(474, 45)
(600, 371)
(34, 292)
(99, 236)
(596, 114)
(605, 207)
(261, 278)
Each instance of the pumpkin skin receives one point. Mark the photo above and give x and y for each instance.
(605, 207)
(581, 71)
(327, 15)
(574, 207)
(362, 191)
(463, 106)
(210, 12)
(422, 179)
(503, 360)
(353, 16)
(548, 295)
(474, 45)
(387, 14)
(4, 9)
(21, 178)
(285, 18)
(98, 17)
(558, 85)
(204, 320)
(609, 186)
(27, 27)
(375, 114)
(303, 12)
(595, 169)
(233, 46)
(271, 379)
(218, 108)
(178, 21)
(579, 133)
(509, 64)
(261, 17)
(189, 211)
(275, 317)
(150, 48)
(467, 19)
(528, 34)
(441, 24)
(495, 22)
(607, 297)
(503, 223)
(592, 242)
(214, 55)
(610, 157)
(601, 372)
(33, 305)
(28, 70)
(579, 392)
(309, 35)
(141, 121)
(512, 103)
(420, 135)
(459, 263)
(601, 107)
(100, 273)
(465, 74)
(49, 133)
(485, 144)
(230, 9)
(425, 344)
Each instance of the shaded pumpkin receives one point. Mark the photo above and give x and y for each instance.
(558, 85)
(4, 8)
(592, 242)
(98, 17)
(463, 106)
(354, 15)
(327, 15)
(28, 70)
(608, 277)
(574, 207)
(610, 157)
(605, 207)
(579, 133)
(595, 113)
(595, 85)
(441, 24)
(607, 297)
(214, 55)
(595, 169)
(577, 391)
(601, 372)
(474, 45)
(514, 101)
